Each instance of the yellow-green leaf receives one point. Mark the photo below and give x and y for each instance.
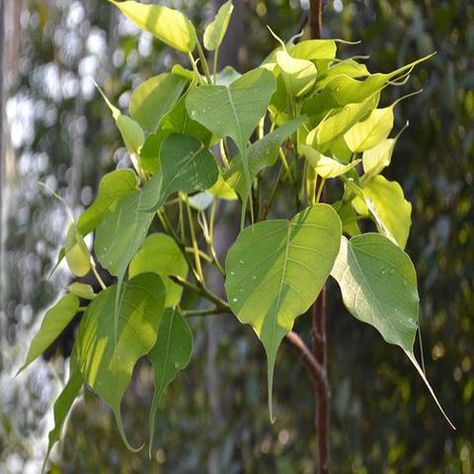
(299, 75)
(216, 30)
(77, 254)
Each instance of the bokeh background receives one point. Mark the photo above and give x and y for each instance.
(56, 129)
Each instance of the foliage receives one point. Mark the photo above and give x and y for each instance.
(321, 116)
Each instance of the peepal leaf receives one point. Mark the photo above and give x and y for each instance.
(314, 49)
(81, 290)
(260, 154)
(154, 98)
(378, 285)
(112, 187)
(276, 269)
(298, 74)
(160, 254)
(171, 354)
(63, 405)
(76, 252)
(216, 30)
(323, 165)
(107, 350)
(54, 322)
(185, 165)
(168, 25)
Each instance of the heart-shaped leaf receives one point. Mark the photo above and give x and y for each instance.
(299, 75)
(108, 347)
(216, 30)
(276, 269)
(171, 354)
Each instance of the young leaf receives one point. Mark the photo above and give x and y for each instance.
(112, 187)
(171, 354)
(54, 322)
(260, 154)
(299, 75)
(348, 217)
(77, 254)
(81, 290)
(391, 211)
(155, 97)
(377, 158)
(107, 350)
(168, 25)
(314, 49)
(160, 254)
(233, 111)
(378, 286)
(323, 165)
(276, 269)
(63, 404)
(216, 30)
(221, 190)
(186, 166)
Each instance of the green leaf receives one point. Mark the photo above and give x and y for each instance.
(348, 67)
(63, 404)
(227, 76)
(112, 187)
(54, 322)
(154, 98)
(171, 354)
(276, 269)
(186, 166)
(160, 254)
(314, 49)
(348, 217)
(299, 75)
(123, 229)
(260, 154)
(377, 158)
(371, 131)
(168, 25)
(323, 165)
(391, 211)
(108, 347)
(81, 290)
(221, 190)
(77, 254)
(328, 132)
(235, 110)
(216, 30)
(378, 286)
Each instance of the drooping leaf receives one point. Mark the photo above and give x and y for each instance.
(260, 154)
(124, 228)
(299, 75)
(377, 158)
(54, 322)
(168, 25)
(76, 252)
(323, 165)
(276, 269)
(154, 98)
(185, 165)
(112, 187)
(160, 254)
(81, 290)
(201, 201)
(108, 349)
(63, 404)
(390, 209)
(378, 285)
(216, 30)
(171, 354)
(233, 111)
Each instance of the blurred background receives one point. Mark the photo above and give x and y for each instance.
(55, 128)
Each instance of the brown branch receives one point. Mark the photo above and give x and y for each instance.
(315, 17)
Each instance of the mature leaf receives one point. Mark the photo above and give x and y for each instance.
(77, 254)
(63, 404)
(391, 211)
(260, 154)
(276, 269)
(168, 25)
(323, 165)
(154, 98)
(124, 228)
(112, 187)
(216, 30)
(299, 75)
(378, 286)
(81, 290)
(186, 166)
(160, 254)
(108, 348)
(227, 76)
(54, 322)
(171, 354)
